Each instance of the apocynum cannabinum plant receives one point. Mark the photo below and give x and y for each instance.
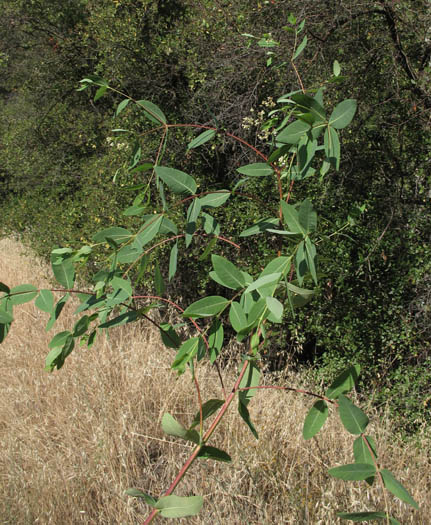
(303, 142)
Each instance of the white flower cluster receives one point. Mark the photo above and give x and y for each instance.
(257, 118)
(118, 145)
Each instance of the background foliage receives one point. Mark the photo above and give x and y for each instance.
(60, 176)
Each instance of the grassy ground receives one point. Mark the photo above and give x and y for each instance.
(71, 442)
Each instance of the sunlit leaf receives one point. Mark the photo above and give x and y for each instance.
(176, 180)
(344, 382)
(206, 307)
(353, 418)
(178, 507)
(22, 294)
(397, 489)
(259, 169)
(353, 472)
(315, 419)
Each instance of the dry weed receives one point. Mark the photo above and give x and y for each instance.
(71, 442)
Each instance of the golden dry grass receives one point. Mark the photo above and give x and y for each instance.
(71, 442)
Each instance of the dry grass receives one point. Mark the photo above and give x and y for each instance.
(71, 442)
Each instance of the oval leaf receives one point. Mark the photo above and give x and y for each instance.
(152, 112)
(228, 274)
(352, 417)
(176, 180)
(293, 132)
(394, 486)
(206, 307)
(178, 507)
(315, 419)
(353, 472)
(343, 114)
(259, 169)
(344, 382)
(213, 200)
(24, 294)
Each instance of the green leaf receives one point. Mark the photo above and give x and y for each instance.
(81, 326)
(336, 69)
(353, 418)
(276, 309)
(343, 114)
(215, 339)
(57, 311)
(128, 317)
(310, 251)
(260, 226)
(259, 169)
(52, 357)
(299, 296)
(307, 217)
(291, 218)
(24, 294)
(211, 225)
(176, 180)
(186, 353)
(263, 281)
(362, 452)
(300, 48)
(362, 516)
(214, 200)
(310, 104)
(397, 489)
(173, 428)
(122, 105)
(4, 288)
(205, 136)
(59, 339)
(237, 317)
(117, 234)
(332, 147)
(229, 275)
(173, 258)
(100, 92)
(129, 254)
(207, 452)
(245, 414)
(353, 472)
(208, 409)
(148, 231)
(206, 307)
(152, 112)
(251, 378)
(178, 507)
(344, 382)
(293, 132)
(5, 317)
(278, 265)
(192, 216)
(169, 336)
(136, 493)
(315, 419)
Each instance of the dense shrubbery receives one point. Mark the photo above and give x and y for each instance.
(59, 173)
